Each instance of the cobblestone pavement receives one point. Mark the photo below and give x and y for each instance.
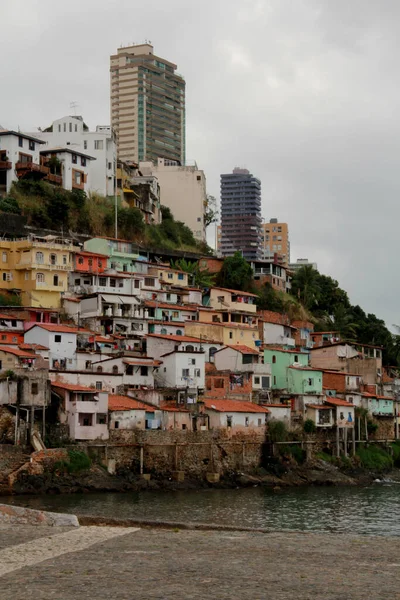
(155, 564)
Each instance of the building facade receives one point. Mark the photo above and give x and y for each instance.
(147, 105)
(182, 190)
(71, 132)
(275, 241)
(241, 214)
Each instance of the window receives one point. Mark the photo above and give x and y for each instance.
(149, 281)
(57, 338)
(230, 335)
(83, 161)
(101, 419)
(178, 332)
(99, 369)
(103, 281)
(26, 275)
(74, 159)
(274, 379)
(113, 282)
(310, 381)
(70, 127)
(256, 380)
(180, 276)
(137, 283)
(76, 128)
(109, 166)
(99, 385)
(125, 268)
(170, 275)
(192, 361)
(197, 373)
(39, 258)
(59, 128)
(88, 364)
(98, 144)
(40, 277)
(229, 421)
(198, 177)
(144, 371)
(185, 372)
(115, 370)
(21, 142)
(246, 421)
(116, 424)
(53, 259)
(34, 388)
(273, 359)
(100, 264)
(85, 145)
(259, 422)
(4, 256)
(55, 280)
(80, 261)
(65, 261)
(296, 358)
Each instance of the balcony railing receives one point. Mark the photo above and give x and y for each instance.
(56, 179)
(5, 164)
(31, 167)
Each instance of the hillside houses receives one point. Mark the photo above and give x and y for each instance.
(122, 342)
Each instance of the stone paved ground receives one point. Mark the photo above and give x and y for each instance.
(155, 564)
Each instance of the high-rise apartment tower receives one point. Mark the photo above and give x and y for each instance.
(147, 105)
(275, 241)
(241, 214)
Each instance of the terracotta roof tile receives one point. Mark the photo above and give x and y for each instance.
(120, 402)
(224, 405)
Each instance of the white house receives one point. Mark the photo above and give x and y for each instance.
(74, 167)
(160, 344)
(184, 370)
(71, 131)
(19, 157)
(84, 409)
(128, 413)
(61, 341)
(277, 334)
(243, 359)
(236, 416)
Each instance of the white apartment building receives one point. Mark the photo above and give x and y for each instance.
(75, 168)
(72, 132)
(19, 156)
(183, 190)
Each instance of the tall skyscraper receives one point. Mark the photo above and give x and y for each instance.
(241, 214)
(275, 240)
(147, 105)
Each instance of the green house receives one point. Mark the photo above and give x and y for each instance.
(122, 255)
(303, 380)
(380, 406)
(280, 361)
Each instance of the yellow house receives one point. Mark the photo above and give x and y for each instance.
(229, 334)
(170, 276)
(223, 299)
(37, 268)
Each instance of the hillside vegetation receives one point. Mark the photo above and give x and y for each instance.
(49, 207)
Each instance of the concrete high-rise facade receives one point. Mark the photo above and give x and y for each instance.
(241, 214)
(147, 106)
(275, 240)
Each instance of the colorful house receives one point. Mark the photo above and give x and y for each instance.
(122, 254)
(303, 380)
(280, 360)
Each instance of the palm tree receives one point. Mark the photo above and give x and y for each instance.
(342, 322)
(200, 278)
(305, 285)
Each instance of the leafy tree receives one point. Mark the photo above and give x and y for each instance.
(10, 205)
(166, 213)
(305, 285)
(130, 222)
(236, 273)
(342, 321)
(200, 278)
(211, 214)
(268, 299)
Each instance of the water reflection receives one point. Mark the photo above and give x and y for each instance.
(369, 510)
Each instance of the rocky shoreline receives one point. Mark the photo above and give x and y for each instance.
(97, 479)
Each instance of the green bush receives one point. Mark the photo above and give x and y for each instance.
(78, 462)
(277, 431)
(372, 427)
(373, 457)
(309, 426)
(326, 457)
(294, 451)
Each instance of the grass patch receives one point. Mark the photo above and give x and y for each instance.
(78, 462)
(375, 458)
(326, 457)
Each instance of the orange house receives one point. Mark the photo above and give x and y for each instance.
(90, 262)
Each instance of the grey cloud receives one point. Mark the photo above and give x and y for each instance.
(304, 94)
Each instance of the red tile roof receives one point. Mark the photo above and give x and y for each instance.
(143, 363)
(236, 292)
(243, 349)
(60, 328)
(87, 253)
(119, 402)
(32, 347)
(225, 405)
(337, 402)
(267, 405)
(17, 352)
(318, 406)
(73, 387)
(171, 408)
(176, 338)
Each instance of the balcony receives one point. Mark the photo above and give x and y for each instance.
(56, 179)
(256, 368)
(24, 168)
(43, 266)
(5, 164)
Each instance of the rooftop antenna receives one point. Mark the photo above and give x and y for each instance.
(74, 106)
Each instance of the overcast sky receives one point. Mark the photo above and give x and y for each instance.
(303, 93)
